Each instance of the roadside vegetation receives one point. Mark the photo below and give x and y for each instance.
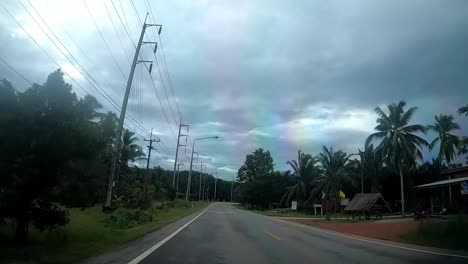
(448, 234)
(89, 233)
(390, 163)
(55, 162)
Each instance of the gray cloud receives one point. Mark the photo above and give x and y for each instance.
(278, 75)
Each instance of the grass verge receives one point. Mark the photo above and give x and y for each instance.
(450, 235)
(86, 235)
(282, 213)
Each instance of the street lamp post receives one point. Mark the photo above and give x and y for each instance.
(189, 180)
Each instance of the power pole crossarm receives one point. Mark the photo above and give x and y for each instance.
(118, 138)
(177, 150)
(150, 147)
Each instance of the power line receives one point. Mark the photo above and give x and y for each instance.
(13, 69)
(113, 26)
(104, 40)
(157, 64)
(130, 118)
(121, 21)
(111, 101)
(152, 80)
(164, 56)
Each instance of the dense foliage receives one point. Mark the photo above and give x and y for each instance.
(56, 153)
(395, 164)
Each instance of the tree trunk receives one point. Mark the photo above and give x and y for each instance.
(402, 190)
(21, 229)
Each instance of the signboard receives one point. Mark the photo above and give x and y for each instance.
(344, 201)
(294, 205)
(464, 188)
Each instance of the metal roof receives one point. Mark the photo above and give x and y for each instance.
(364, 201)
(441, 183)
(455, 171)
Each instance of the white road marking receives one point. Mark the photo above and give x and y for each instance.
(162, 242)
(361, 239)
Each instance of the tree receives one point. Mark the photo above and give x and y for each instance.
(371, 165)
(257, 164)
(399, 144)
(335, 166)
(45, 129)
(130, 150)
(448, 143)
(304, 169)
(463, 110)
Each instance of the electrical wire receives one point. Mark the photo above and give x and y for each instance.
(104, 40)
(14, 70)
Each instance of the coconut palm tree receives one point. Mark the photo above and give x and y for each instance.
(399, 144)
(463, 110)
(448, 143)
(130, 150)
(304, 169)
(335, 166)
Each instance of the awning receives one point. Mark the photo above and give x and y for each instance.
(441, 183)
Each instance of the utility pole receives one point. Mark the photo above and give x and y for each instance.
(177, 182)
(150, 147)
(200, 180)
(216, 179)
(118, 139)
(177, 148)
(204, 181)
(189, 179)
(232, 185)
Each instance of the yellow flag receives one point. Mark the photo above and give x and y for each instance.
(342, 195)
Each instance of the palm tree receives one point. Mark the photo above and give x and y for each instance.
(368, 167)
(335, 166)
(303, 169)
(399, 145)
(463, 110)
(130, 150)
(448, 143)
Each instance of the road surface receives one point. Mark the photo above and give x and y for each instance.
(225, 234)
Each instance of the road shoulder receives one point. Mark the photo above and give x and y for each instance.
(127, 252)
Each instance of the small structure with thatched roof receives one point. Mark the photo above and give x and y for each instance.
(367, 204)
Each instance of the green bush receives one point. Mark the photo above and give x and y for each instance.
(451, 234)
(125, 218)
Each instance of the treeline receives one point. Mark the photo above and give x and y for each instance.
(56, 153)
(390, 163)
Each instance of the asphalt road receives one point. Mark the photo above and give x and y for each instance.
(225, 234)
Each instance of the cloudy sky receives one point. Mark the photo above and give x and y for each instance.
(282, 75)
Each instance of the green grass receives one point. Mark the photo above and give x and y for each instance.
(86, 235)
(451, 234)
(282, 213)
(304, 214)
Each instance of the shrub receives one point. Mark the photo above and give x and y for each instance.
(126, 218)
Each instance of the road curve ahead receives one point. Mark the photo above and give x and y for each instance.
(225, 234)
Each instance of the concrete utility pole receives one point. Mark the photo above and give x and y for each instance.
(232, 185)
(177, 148)
(150, 147)
(204, 181)
(177, 182)
(118, 145)
(216, 179)
(189, 180)
(200, 180)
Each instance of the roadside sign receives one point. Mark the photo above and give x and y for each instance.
(294, 205)
(464, 188)
(344, 201)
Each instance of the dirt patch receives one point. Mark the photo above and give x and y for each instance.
(380, 230)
